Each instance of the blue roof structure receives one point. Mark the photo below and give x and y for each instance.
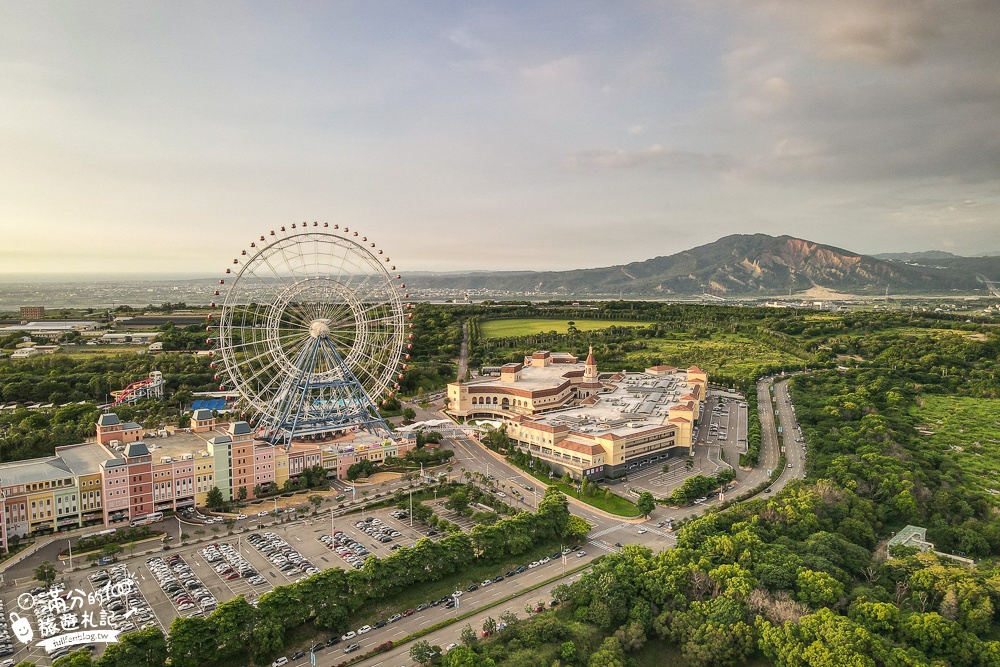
(209, 404)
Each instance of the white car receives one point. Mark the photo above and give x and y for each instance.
(533, 565)
(451, 646)
(279, 662)
(263, 513)
(364, 629)
(485, 583)
(642, 531)
(240, 517)
(350, 635)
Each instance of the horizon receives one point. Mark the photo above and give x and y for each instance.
(106, 276)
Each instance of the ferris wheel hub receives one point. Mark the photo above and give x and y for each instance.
(320, 328)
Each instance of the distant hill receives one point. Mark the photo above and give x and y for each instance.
(738, 265)
(914, 256)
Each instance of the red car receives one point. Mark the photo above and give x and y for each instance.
(408, 612)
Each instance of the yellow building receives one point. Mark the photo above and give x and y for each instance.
(586, 423)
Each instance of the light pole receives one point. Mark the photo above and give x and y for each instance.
(411, 508)
(70, 543)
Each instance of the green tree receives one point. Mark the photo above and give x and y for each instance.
(214, 499)
(409, 415)
(421, 652)
(316, 501)
(567, 652)
(463, 656)
(468, 636)
(818, 589)
(241, 493)
(192, 642)
(143, 648)
(457, 501)
(610, 654)
(576, 528)
(80, 658)
(45, 573)
(646, 503)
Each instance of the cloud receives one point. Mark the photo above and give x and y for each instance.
(654, 157)
(564, 70)
(866, 90)
(878, 36)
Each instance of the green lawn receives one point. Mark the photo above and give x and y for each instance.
(615, 504)
(528, 327)
(968, 430)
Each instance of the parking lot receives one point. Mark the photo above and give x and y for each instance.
(201, 573)
(721, 433)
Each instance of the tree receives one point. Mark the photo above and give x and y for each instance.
(80, 658)
(241, 493)
(45, 573)
(469, 636)
(646, 503)
(409, 415)
(144, 648)
(111, 550)
(457, 501)
(316, 501)
(229, 523)
(214, 499)
(363, 468)
(567, 652)
(192, 642)
(421, 652)
(576, 528)
(610, 654)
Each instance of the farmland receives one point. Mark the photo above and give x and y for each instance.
(528, 327)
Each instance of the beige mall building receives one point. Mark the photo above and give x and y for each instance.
(587, 423)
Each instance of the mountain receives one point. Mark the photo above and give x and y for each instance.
(914, 256)
(737, 265)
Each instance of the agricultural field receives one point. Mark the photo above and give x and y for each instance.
(528, 327)
(969, 430)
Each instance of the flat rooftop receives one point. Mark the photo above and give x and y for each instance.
(534, 378)
(177, 445)
(639, 401)
(61, 325)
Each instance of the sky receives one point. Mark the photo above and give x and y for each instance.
(539, 135)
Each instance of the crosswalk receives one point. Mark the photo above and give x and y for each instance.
(602, 533)
(602, 545)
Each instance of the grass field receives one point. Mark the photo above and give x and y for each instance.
(84, 351)
(969, 430)
(525, 327)
(731, 354)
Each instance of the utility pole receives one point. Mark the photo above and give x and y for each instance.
(70, 543)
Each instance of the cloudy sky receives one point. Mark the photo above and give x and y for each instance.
(164, 136)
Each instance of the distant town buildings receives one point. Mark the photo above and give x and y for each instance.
(32, 312)
(585, 423)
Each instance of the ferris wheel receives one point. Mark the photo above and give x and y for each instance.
(312, 330)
